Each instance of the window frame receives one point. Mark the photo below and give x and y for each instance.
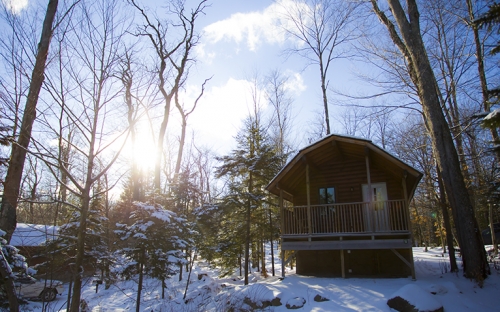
(324, 199)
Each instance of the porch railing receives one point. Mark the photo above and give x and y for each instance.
(364, 217)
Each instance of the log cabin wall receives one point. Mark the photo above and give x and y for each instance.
(358, 263)
(344, 244)
(346, 177)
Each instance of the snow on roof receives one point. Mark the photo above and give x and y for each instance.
(29, 235)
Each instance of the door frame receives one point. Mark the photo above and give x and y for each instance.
(376, 214)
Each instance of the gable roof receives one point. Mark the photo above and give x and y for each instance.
(337, 147)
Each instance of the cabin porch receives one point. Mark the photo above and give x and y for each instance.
(363, 225)
(358, 238)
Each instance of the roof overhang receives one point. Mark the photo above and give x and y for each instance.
(341, 147)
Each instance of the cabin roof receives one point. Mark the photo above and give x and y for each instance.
(334, 148)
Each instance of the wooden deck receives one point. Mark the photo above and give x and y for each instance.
(364, 225)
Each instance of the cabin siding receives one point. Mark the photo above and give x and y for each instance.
(354, 236)
(347, 178)
(358, 263)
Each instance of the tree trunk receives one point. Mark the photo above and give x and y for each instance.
(80, 252)
(474, 255)
(181, 268)
(12, 182)
(247, 234)
(492, 229)
(139, 286)
(163, 287)
(127, 80)
(239, 261)
(272, 239)
(263, 257)
(161, 136)
(325, 98)
(447, 224)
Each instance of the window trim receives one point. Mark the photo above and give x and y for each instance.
(322, 193)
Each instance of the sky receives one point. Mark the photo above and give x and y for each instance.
(239, 39)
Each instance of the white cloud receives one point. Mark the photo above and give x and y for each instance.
(220, 113)
(202, 55)
(251, 28)
(16, 6)
(295, 83)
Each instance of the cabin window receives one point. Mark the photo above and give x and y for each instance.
(326, 195)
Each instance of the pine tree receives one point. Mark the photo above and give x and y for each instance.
(13, 264)
(248, 169)
(153, 244)
(97, 254)
(208, 219)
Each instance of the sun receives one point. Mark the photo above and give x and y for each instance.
(142, 152)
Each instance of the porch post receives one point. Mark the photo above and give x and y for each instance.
(407, 207)
(282, 214)
(309, 227)
(370, 191)
(342, 264)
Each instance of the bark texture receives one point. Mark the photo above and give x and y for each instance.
(8, 215)
(12, 183)
(411, 45)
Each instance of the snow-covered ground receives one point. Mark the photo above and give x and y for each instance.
(452, 291)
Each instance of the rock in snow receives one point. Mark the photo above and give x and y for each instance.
(295, 303)
(411, 298)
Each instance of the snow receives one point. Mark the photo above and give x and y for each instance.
(493, 115)
(163, 215)
(29, 235)
(417, 297)
(211, 293)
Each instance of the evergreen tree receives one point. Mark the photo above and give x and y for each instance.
(208, 218)
(13, 263)
(248, 169)
(97, 254)
(153, 244)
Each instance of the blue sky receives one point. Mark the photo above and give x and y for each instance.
(240, 38)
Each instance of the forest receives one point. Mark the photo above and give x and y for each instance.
(96, 136)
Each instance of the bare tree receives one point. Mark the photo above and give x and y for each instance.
(184, 112)
(353, 121)
(320, 29)
(173, 57)
(12, 182)
(278, 95)
(406, 35)
(481, 71)
(18, 154)
(127, 78)
(91, 52)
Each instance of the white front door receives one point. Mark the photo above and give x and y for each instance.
(376, 215)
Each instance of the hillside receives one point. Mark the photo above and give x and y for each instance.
(211, 293)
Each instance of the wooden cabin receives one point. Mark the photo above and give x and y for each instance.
(344, 209)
